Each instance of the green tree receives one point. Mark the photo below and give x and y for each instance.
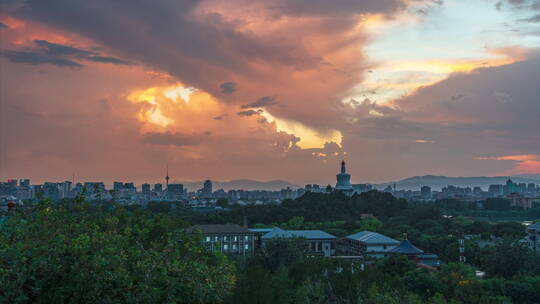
(77, 253)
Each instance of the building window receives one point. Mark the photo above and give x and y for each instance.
(319, 246)
(225, 247)
(234, 246)
(332, 245)
(246, 246)
(246, 238)
(235, 238)
(384, 247)
(225, 238)
(208, 239)
(312, 245)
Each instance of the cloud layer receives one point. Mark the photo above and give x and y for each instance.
(198, 85)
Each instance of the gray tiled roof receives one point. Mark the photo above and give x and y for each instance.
(406, 247)
(308, 234)
(219, 229)
(261, 230)
(534, 226)
(372, 238)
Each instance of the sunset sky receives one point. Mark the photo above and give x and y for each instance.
(277, 89)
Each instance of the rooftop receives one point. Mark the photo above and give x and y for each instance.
(534, 226)
(406, 247)
(372, 238)
(217, 229)
(308, 234)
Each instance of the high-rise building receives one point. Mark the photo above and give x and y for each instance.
(510, 187)
(207, 188)
(425, 191)
(145, 188)
(495, 190)
(94, 187)
(158, 188)
(175, 189)
(117, 186)
(26, 182)
(477, 190)
(522, 188)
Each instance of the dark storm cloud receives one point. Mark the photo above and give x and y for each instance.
(3, 26)
(336, 7)
(492, 108)
(105, 59)
(249, 112)
(54, 49)
(203, 42)
(260, 103)
(228, 87)
(176, 138)
(35, 58)
(59, 55)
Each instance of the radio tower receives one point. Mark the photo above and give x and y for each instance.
(167, 179)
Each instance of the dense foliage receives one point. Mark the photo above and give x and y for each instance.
(75, 253)
(103, 253)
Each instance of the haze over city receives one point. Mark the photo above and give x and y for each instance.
(268, 90)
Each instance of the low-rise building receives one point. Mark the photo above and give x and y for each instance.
(415, 254)
(226, 238)
(368, 243)
(533, 237)
(318, 242)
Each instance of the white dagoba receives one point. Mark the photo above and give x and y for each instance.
(344, 180)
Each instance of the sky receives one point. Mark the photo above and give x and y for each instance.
(281, 89)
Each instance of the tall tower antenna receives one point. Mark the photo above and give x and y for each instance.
(167, 178)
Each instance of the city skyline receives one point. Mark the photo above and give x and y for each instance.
(276, 91)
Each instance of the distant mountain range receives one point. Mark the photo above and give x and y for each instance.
(411, 183)
(438, 182)
(244, 184)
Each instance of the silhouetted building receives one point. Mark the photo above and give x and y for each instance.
(145, 189)
(344, 181)
(117, 186)
(175, 190)
(425, 191)
(207, 188)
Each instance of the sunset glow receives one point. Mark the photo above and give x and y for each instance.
(271, 90)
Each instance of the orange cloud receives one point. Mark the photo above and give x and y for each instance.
(524, 163)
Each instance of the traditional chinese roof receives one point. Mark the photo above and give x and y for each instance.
(405, 247)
